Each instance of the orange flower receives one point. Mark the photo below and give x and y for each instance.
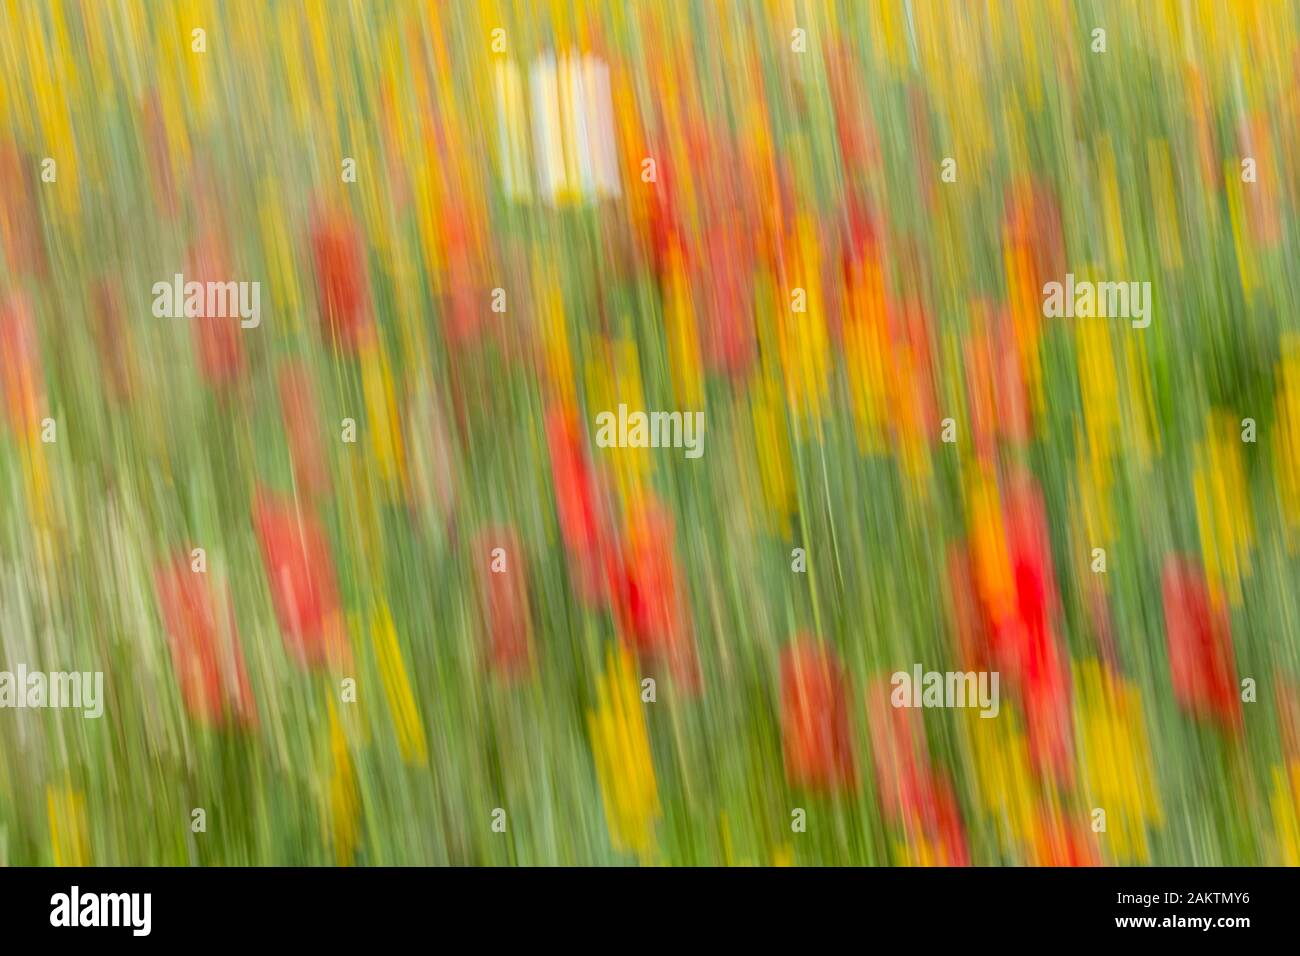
(22, 377)
(1032, 221)
(1058, 841)
(467, 301)
(815, 732)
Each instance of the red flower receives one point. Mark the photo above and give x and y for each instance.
(503, 593)
(898, 754)
(581, 508)
(651, 595)
(664, 224)
(942, 822)
(1199, 638)
(1020, 640)
(300, 572)
(204, 645)
(303, 430)
(815, 732)
(342, 282)
(863, 237)
(912, 793)
(1029, 647)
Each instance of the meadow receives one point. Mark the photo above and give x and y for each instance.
(363, 584)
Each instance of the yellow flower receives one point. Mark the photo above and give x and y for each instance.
(512, 129)
(1223, 507)
(801, 335)
(397, 688)
(918, 851)
(382, 419)
(1161, 169)
(772, 444)
(293, 69)
(42, 514)
(1006, 789)
(1098, 395)
(1095, 358)
(621, 748)
(555, 339)
(428, 201)
(1286, 452)
(1143, 439)
(1112, 205)
(66, 808)
(614, 378)
(1246, 266)
(683, 343)
(279, 253)
(1286, 812)
(889, 31)
(1115, 759)
(1026, 304)
(867, 356)
(357, 494)
(343, 806)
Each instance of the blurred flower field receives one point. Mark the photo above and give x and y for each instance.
(364, 587)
